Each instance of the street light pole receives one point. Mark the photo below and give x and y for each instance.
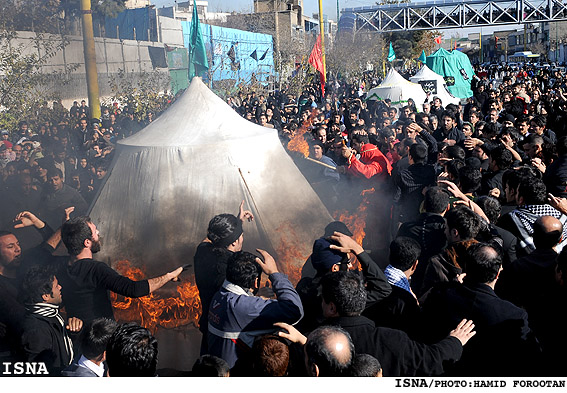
(90, 58)
(322, 32)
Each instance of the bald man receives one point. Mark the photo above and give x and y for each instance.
(329, 352)
(526, 281)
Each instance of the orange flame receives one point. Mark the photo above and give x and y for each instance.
(152, 311)
(357, 221)
(298, 142)
(289, 257)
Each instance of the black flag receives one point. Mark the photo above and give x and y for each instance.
(264, 55)
(254, 55)
(231, 54)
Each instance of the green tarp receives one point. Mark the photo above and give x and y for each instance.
(455, 67)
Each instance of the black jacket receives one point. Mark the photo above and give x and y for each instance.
(43, 341)
(503, 344)
(398, 354)
(555, 177)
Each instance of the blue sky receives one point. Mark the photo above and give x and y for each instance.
(329, 8)
(311, 6)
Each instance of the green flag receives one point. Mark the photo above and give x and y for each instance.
(391, 53)
(198, 63)
(422, 58)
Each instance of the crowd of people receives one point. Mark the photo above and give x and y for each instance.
(462, 271)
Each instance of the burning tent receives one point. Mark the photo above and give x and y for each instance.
(435, 85)
(398, 90)
(199, 159)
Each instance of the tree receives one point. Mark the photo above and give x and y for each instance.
(23, 86)
(141, 92)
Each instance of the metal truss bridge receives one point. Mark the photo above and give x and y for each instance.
(451, 14)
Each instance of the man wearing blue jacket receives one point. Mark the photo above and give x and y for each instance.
(237, 317)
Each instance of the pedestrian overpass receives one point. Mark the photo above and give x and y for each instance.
(450, 14)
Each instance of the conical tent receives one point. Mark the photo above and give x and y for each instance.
(199, 159)
(455, 67)
(398, 90)
(435, 85)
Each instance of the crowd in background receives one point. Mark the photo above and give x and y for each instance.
(462, 270)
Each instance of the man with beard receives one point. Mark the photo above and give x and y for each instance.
(86, 282)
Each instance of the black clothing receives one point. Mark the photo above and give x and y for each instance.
(555, 177)
(408, 192)
(12, 315)
(43, 340)
(492, 180)
(398, 354)
(526, 281)
(85, 285)
(399, 310)
(453, 134)
(503, 344)
(210, 272)
(377, 289)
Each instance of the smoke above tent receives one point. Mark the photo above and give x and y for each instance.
(199, 159)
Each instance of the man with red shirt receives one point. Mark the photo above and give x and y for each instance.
(371, 162)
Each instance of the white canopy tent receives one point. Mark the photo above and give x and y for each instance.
(199, 159)
(398, 90)
(435, 85)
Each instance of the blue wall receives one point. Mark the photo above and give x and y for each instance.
(218, 41)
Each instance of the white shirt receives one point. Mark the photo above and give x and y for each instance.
(97, 369)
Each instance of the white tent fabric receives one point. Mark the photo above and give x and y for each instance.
(199, 159)
(433, 82)
(398, 90)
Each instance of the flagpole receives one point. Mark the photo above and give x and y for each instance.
(322, 32)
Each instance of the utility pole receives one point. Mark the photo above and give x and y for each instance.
(322, 32)
(90, 58)
(277, 47)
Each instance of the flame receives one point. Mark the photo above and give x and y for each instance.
(298, 142)
(152, 311)
(356, 222)
(289, 257)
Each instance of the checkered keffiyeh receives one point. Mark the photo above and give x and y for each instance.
(525, 216)
(397, 277)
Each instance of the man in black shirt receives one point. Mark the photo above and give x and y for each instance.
(86, 282)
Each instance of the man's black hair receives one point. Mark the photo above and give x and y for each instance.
(436, 200)
(95, 337)
(74, 233)
(53, 172)
(346, 290)
(365, 365)
(539, 121)
(220, 227)
(533, 191)
(490, 206)
(37, 282)
(5, 233)
(502, 157)
(132, 351)
(455, 152)
(418, 153)
(404, 251)
(469, 179)
(319, 351)
(210, 366)
(453, 167)
(449, 114)
(360, 138)
(483, 263)
(242, 269)
(464, 220)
